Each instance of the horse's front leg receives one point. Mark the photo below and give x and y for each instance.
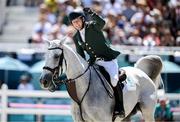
(76, 112)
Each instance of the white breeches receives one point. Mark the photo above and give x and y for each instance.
(112, 68)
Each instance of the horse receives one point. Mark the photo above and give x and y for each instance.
(93, 91)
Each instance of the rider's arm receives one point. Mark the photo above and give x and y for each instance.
(97, 20)
(79, 49)
(91, 60)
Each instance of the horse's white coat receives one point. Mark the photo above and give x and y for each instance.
(97, 106)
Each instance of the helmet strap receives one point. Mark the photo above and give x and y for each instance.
(83, 22)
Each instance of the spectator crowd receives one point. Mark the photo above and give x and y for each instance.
(163, 111)
(128, 22)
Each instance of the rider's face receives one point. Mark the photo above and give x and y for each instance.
(77, 23)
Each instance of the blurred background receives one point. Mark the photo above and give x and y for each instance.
(134, 27)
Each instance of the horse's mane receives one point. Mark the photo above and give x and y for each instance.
(77, 56)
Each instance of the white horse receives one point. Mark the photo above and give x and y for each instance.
(96, 102)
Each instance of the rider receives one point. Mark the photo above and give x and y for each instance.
(89, 37)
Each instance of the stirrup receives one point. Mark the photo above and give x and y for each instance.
(118, 114)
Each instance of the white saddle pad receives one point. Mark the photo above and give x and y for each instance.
(129, 85)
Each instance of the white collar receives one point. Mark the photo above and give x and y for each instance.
(82, 30)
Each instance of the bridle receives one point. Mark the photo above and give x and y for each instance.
(55, 70)
(56, 81)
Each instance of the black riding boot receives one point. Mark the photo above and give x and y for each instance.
(119, 107)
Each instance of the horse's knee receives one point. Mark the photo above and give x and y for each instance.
(76, 113)
(148, 113)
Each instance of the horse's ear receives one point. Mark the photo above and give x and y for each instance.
(63, 40)
(48, 42)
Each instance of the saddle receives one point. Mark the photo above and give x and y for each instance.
(71, 88)
(122, 75)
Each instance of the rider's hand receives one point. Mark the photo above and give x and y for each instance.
(87, 11)
(90, 62)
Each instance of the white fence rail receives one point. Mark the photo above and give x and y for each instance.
(5, 110)
(124, 49)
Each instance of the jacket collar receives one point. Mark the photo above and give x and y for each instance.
(87, 24)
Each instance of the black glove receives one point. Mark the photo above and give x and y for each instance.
(91, 62)
(87, 11)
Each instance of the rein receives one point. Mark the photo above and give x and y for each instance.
(56, 81)
(56, 73)
(55, 70)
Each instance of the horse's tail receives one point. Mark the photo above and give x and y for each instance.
(152, 66)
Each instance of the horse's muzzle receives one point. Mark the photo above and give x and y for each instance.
(45, 80)
(44, 83)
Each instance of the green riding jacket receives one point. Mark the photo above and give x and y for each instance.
(95, 43)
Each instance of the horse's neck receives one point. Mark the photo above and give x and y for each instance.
(76, 65)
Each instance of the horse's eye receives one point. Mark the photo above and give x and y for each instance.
(56, 56)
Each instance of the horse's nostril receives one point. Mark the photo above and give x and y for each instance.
(41, 81)
(45, 80)
(44, 83)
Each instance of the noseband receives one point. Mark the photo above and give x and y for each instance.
(56, 81)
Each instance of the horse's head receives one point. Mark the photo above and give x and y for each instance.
(53, 62)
